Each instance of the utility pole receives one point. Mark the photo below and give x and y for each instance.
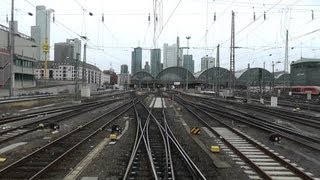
(286, 53)
(11, 49)
(232, 56)
(178, 52)
(84, 65)
(272, 76)
(188, 37)
(77, 98)
(248, 85)
(218, 67)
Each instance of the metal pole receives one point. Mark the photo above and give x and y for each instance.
(84, 70)
(77, 78)
(272, 76)
(187, 64)
(11, 33)
(218, 67)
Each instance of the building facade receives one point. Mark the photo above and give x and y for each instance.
(305, 72)
(136, 60)
(76, 44)
(67, 71)
(207, 62)
(188, 63)
(123, 80)
(155, 62)
(41, 31)
(124, 69)
(170, 58)
(63, 52)
(147, 67)
(24, 58)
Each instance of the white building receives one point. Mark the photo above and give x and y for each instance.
(66, 71)
(41, 30)
(105, 78)
(170, 55)
(123, 79)
(207, 62)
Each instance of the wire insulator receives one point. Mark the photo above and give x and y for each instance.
(254, 16)
(53, 18)
(214, 16)
(264, 15)
(312, 15)
(103, 18)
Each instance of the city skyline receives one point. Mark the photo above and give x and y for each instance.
(256, 39)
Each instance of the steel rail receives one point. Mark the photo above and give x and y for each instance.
(54, 161)
(254, 166)
(190, 164)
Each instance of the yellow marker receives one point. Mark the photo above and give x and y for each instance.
(195, 130)
(113, 137)
(215, 149)
(3, 159)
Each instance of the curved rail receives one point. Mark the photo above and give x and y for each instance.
(35, 164)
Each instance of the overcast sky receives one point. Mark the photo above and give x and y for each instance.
(126, 25)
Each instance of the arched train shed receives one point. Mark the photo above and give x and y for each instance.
(255, 77)
(175, 74)
(142, 78)
(214, 76)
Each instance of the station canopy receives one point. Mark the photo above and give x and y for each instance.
(255, 77)
(282, 80)
(214, 75)
(175, 74)
(142, 76)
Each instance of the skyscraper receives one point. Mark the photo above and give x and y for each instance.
(41, 31)
(124, 69)
(170, 55)
(155, 62)
(136, 60)
(188, 63)
(63, 51)
(207, 62)
(147, 67)
(76, 43)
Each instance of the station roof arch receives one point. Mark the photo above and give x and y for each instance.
(142, 76)
(255, 77)
(175, 74)
(214, 75)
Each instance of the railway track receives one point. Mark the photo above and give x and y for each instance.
(33, 124)
(36, 164)
(259, 161)
(286, 132)
(157, 148)
(305, 139)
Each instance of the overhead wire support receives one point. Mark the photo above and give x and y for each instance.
(232, 56)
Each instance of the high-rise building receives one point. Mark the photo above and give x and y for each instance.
(188, 63)
(76, 43)
(207, 62)
(147, 67)
(155, 62)
(136, 60)
(41, 31)
(124, 69)
(63, 52)
(170, 55)
(179, 53)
